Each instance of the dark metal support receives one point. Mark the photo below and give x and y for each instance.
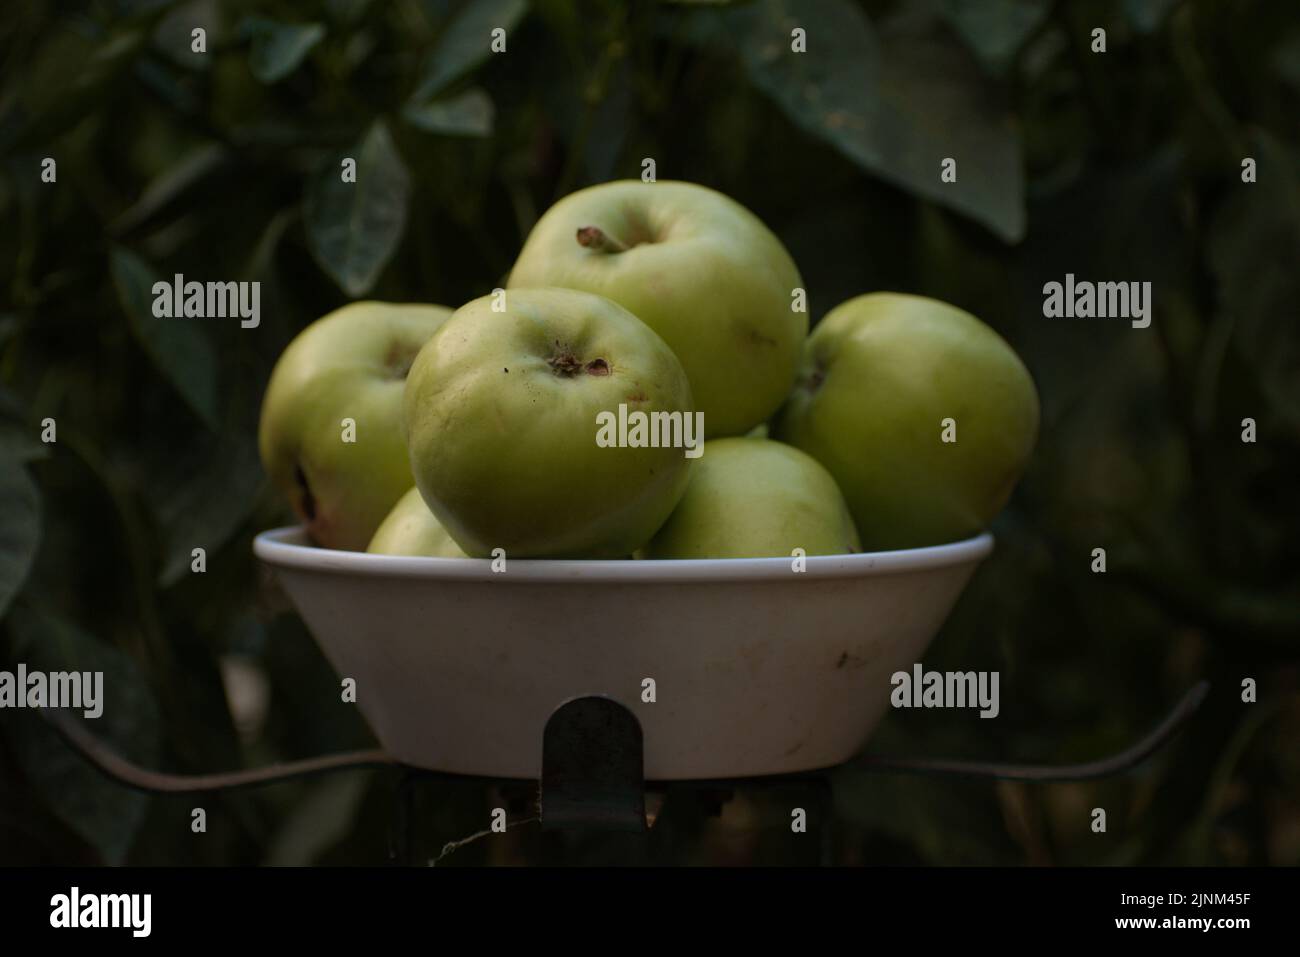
(1130, 757)
(592, 767)
(161, 782)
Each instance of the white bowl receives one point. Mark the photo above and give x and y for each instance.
(757, 669)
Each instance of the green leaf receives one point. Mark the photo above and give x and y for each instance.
(173, 36)
(608, 130)
(1286, 60)
(278, 48)
(1254, 245)
(897, 105)
(346, 11)
(201, 500)
(173, 181)
(179, 348)
(1147, 15)
(19, 439)
(20, 526)
(102, 812)
(952, 822)
(354, 228)
(325, 815)
(465, 43)
(995, 29)
(73, 73)
(466, 114)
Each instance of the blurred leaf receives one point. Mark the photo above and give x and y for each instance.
(202, 500)
(138, 7)
(897, 108)
(354, 228)
(465, 114)
(1147, 15)
(996, 29)
(346, 11)
(608, 128)
(104, 813)
(167, 86)
(1141, 227)
(278, 48)
(934, 104)
(20, 526)
(1254, 246)
(174, 35)
(309, 716)
(19, 439)
(1286, 59)
(172, 182)
(73, 74)
(465, 43)
(324, 816)
(178, 347)
(261, 259)
(946, 822)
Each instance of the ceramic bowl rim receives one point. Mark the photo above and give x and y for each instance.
(287, 547)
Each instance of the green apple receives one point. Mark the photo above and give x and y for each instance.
(924, 415)
(411, 529)
(331, 434)
(699, 269)
(504, 412)
(756, 498)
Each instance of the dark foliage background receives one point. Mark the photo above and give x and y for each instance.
(1123, 165)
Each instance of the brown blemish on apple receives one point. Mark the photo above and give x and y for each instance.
(566, 365)
(638, 397)
(758, 339)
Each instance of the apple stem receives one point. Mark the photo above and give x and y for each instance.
(593, 237)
